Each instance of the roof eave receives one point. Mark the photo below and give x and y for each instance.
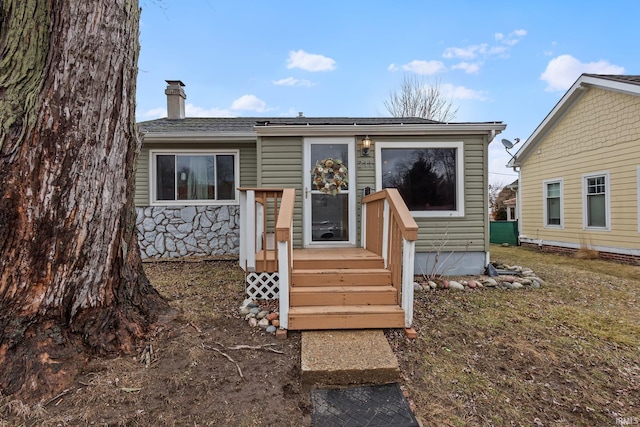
(568, 100)
(404, 129)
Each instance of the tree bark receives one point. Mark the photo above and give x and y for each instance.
(71, 278)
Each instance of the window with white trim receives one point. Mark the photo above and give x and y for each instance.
(553, 203)
(429, 176)
(596, 209)
(193, 177)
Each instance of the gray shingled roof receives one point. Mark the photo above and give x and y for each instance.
(618, 78)
(246, 124)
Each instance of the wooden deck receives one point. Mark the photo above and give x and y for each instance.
(346, 288)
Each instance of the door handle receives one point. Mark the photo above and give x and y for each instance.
(306, 192)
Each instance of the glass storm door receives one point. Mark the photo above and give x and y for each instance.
(329, 219)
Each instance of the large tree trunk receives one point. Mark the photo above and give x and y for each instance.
(71, 278)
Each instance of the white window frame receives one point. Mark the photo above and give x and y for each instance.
(607, 198)
(545, 183)
(460, 199)
(184, 152)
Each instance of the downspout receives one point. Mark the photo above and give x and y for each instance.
(492, 134)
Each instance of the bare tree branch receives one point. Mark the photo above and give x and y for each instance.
(419, 98)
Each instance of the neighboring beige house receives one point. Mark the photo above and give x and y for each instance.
(579, 183)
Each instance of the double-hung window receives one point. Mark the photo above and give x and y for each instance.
(194, 177)
(553, 203)
(429, 176)
(596, 212)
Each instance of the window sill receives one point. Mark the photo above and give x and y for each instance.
(175, 204)
(437, 214)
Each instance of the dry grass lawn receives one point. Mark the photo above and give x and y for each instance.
(564, 355)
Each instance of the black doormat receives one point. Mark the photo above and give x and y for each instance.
(379, 405)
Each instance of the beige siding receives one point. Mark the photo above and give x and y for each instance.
(248, 174)
(601, 133)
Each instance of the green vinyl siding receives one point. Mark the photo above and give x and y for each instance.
(281, 167)
(467, 233)
(248, 167)
(441, 234)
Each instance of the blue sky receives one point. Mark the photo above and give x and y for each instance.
(508, 61)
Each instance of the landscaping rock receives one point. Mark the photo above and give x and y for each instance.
(275, 322)
(417, 287)
(432, 284)
(262, 314)
(253, 322)
(271, 329)
(489, 282)
(272, 316)
(263, 323)
(456, 285)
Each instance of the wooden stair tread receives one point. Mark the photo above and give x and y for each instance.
(340, 271)
(343, 288)
(345, 309)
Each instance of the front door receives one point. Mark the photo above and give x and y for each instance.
(329, 206)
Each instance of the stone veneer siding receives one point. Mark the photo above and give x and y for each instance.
(172, 232)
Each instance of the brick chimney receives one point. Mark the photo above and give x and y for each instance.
(175, 99)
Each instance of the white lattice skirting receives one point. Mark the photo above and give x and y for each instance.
(263, 285)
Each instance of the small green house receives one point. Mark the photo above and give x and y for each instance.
(332, 215)
(192, 172)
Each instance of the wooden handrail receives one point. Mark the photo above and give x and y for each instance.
(407, 224)
(285, 215)
(390, 231)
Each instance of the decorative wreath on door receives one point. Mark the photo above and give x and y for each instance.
(329, 176)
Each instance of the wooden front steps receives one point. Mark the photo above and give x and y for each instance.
(342, 289)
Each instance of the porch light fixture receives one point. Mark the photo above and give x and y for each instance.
(366, 145)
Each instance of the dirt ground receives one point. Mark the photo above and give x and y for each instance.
(562, 355)
(189, 374)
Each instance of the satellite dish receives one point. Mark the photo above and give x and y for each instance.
(507, 144)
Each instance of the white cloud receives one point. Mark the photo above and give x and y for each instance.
(310, 61)
(154, 113)
(249, 102)
(191, 110)
(468, 52)
(420, 67)
(468, 67)
(291, 81)
(461, 92)
(562, 71)
(500, 48)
